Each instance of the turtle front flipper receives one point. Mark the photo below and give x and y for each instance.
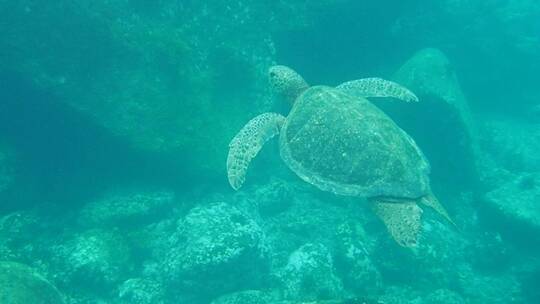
(377, 87)
(402, 220)
(247, 143)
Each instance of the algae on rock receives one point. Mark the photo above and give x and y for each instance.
(246, 297)
(512, 144)
(310, 274)
(208, 252)
(141, 291)
(513, 209)
(20, 284)
(126, 209)
(178, 85)
(97, 260)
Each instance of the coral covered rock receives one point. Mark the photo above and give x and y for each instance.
(311, 216)
(513, 144)
(126, 210)
(513, 209)
(353, 260)
(310, 275)
(444, 296)
(246, 297)
(20, 284)
(17, 231)
(98, 260)
(173, 79)
(216, 248)
(273, 198)
(433, 262)
(141, 291)
(489, 289)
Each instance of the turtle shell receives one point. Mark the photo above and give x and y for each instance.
(348, 146)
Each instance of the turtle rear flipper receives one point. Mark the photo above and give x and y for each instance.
(248, 142)
(431, 201)
(402, 220)
(377, 87)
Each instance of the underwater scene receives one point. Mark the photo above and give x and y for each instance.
(269, 152)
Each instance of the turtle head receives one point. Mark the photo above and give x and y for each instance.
(286, 82)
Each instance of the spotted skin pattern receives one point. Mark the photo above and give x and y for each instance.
(286, 83)
(248, 142)
(402, 220)
(377, 87)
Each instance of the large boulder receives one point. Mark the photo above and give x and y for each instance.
(141, 291)
(126, 209)
(529, 281)
(310, 274)
(272, 198)
(432, 263)
(405, 295)
(308, 216)
(353, 260)
(20, 232)
(215, 249)
(494, 44)
(94, 261)
(441, 122)
(512, 144)
(513, 210)
(246, 297)
(512, 179)
(20, 284)
(444, 296)
(173, 79)
(490, 289)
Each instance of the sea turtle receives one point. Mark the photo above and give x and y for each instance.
(338, 141)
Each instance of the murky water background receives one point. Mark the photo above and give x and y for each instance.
(115, 120)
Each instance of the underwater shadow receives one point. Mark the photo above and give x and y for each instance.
(65, 158)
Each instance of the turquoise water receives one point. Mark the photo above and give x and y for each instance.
(115, 124)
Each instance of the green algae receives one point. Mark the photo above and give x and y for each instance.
(20, 284)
